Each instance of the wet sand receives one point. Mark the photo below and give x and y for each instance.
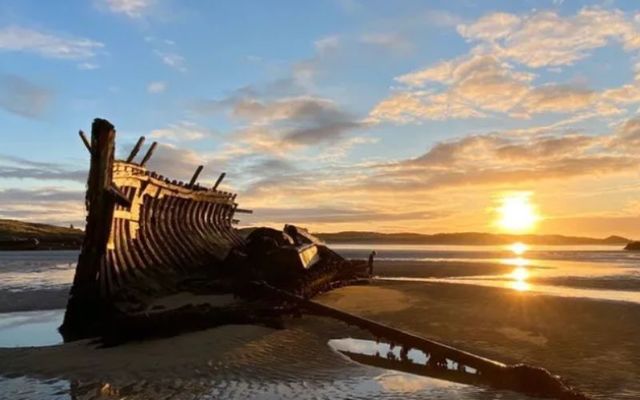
(595, 345)
(228, 362)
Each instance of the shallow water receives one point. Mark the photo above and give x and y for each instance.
(33, 270)
(30, 328)
(595, 272)
(301, 361)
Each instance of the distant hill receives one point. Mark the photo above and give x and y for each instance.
(19, 235)
(16, 235)
(466, 238)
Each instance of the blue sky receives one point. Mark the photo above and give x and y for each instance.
(336, 114)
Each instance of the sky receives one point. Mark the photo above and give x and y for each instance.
(391, 116)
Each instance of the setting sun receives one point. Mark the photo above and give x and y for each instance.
(516, 213)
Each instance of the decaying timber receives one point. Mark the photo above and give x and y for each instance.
(147, 236)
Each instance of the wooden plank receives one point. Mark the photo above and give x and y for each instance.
(136, 149)
(220, 178)
(194, 178)
(100, 211)
(149, 153)
(118, 196)
(85, 141)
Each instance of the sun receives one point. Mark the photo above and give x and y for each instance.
(516, 213)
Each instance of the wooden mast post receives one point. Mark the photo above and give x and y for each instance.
(85, 306)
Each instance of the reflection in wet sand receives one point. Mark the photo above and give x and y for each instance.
(389, 356)
(30, 328)
(523, 278)
(230, 362)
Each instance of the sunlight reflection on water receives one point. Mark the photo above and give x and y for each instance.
(548, 275)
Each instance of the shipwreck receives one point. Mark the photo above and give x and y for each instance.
(148, 237)
(162, 256)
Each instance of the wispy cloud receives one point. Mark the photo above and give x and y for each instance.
(156, 87)
(544, 38)
(173, 60)
(87, 66)
(390, 41)
(489, 79)
(16, 38)
(21, 168)
(183, 131)
(47, 204)
(130, 8)
(24, 98)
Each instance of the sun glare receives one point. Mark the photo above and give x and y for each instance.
(518, 248)
(516, 213)
(519, 279)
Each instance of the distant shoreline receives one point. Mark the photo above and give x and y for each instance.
(21, 236)
(467, 239)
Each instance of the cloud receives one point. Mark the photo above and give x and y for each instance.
(442, 18)
(323, 215)
(175, 162)
(173, 60)
(156, 87)
(628, 135)
(282, 124)
(44, 205)
(130, 8)
(490, 78)
(299, 120)
(491, 27)
(502, 159)
(479, 85)
(327, 44)
(544, 38)
(15, 38)
(24, 98)
(16, 167)
(389, 41)
(556, 98)
(405, 107)
(182, 131)
(86, 66)
(472, 86)
(41, 195)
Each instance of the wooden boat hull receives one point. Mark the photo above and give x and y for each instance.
(142, 229)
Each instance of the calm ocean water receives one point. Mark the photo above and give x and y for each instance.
(34, 286)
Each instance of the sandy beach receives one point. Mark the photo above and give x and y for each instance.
(593, 344)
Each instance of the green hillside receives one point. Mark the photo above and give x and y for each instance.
(14, 233)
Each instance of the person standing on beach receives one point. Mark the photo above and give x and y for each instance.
(373, 254)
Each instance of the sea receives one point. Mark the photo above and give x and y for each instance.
(305, 361)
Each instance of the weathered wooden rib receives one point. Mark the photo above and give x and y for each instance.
(140, 225)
